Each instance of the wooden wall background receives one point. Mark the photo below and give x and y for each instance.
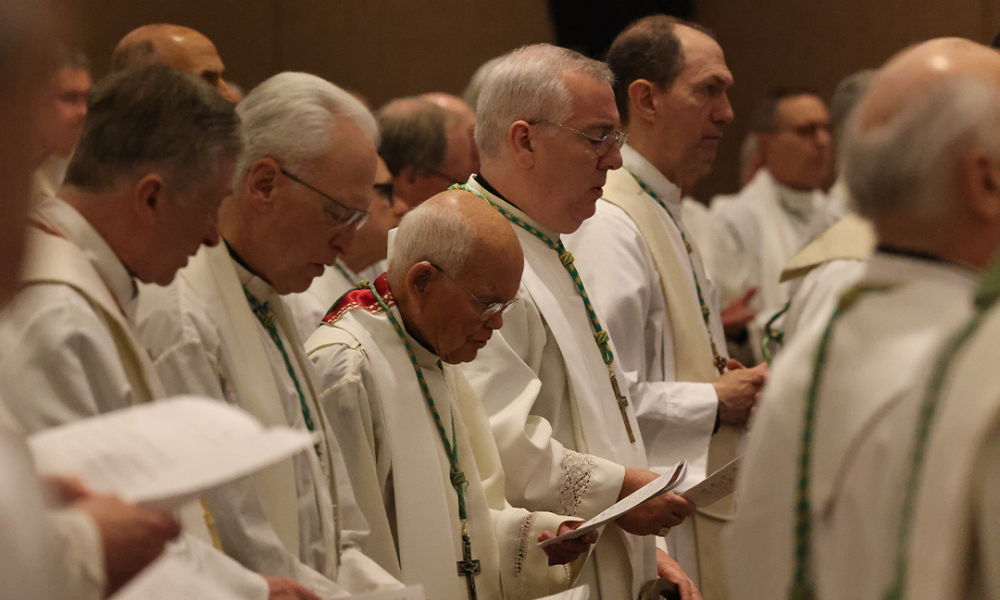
(389, 48)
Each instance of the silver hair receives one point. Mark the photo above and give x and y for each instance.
(475, 86)
(433, 233)
(289, 117)
(905, 164)
(527, 84)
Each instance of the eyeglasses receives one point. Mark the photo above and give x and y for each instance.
(386, 191)
(342, 214)
(602, 145)
(490, 309)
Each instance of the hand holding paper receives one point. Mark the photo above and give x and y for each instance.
(657, 487)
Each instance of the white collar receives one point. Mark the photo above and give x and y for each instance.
(66, 220)
(639, 166)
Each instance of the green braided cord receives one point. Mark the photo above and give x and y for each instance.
(566, 258)
(986, 296)
(802, 587)
(263, 313)
(458, 480)
(770, 335)
(705, 311)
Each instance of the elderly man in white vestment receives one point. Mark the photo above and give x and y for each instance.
(92, 544)
(558, 400)
(784, 207)
(826, 473)
(456, 266)
(364, 258)
(642, 268)
(301, 186)
(140, 197)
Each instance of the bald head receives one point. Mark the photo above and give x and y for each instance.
(921, 68)
(920, 155)
(175, 46)
(456, 264)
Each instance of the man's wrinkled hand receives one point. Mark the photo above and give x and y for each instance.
(739, 390)
(738, 313)
(567, 551)
(665, 510)
(667, 568)
(280, 588)
(132, 536)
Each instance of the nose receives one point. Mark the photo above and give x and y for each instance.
(341, 241)
(228, 92)
(212, 233)
(823, 137)
(612, 160)
(724, 111)
(495, 322)
(399, 208)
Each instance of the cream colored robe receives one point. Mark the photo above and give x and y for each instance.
(554, 417)
(206, 340)
(369, 385)
(634, 262)
(879, 359)
(70, 350)
(309, 307)
(954, 551)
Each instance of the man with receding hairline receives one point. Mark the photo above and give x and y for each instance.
(455, 268)
(175, 46)
(827, 484)
(641, 265)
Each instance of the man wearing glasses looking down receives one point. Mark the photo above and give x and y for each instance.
(301, 188)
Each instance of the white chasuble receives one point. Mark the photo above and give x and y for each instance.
(70, 351)
(369, 380)
(560, 434)
(880, 355)
(206, 339)
(954, 548)
(770, 224)
(635, 261)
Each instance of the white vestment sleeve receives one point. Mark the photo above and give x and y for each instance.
(676, 418)
(541, 473)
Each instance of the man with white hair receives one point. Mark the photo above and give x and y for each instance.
(302, 185)
(821, 499)
(640, 265)
(560, 406)
(422, 456)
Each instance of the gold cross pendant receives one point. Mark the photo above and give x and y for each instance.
(622, 404)
(467, 567)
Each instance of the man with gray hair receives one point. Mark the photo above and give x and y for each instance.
(61, 120)
(560, 406)
(427, 147)
(826, 477)
(139, 199)
(387, 355)
(301, 187)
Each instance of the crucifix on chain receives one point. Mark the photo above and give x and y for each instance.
(467, 567)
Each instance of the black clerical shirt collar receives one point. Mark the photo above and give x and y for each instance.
(489, 188)
(911, 253)
(239, 259)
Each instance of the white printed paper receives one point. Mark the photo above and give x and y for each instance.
(410, 592)
(716, 486)
(581, 592)
(165, 453)
(661, 485)
(171, 577)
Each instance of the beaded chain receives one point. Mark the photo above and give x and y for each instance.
(566, 258)
(458, 480)
(263, 313)
(720, 363)
(772, 336)
(802, 586)
(986, 297)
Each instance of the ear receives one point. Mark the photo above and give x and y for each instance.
(416, 282)
(148, 197)
(520, 141)
(261, 181)
(981, 175)
(643, 95)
